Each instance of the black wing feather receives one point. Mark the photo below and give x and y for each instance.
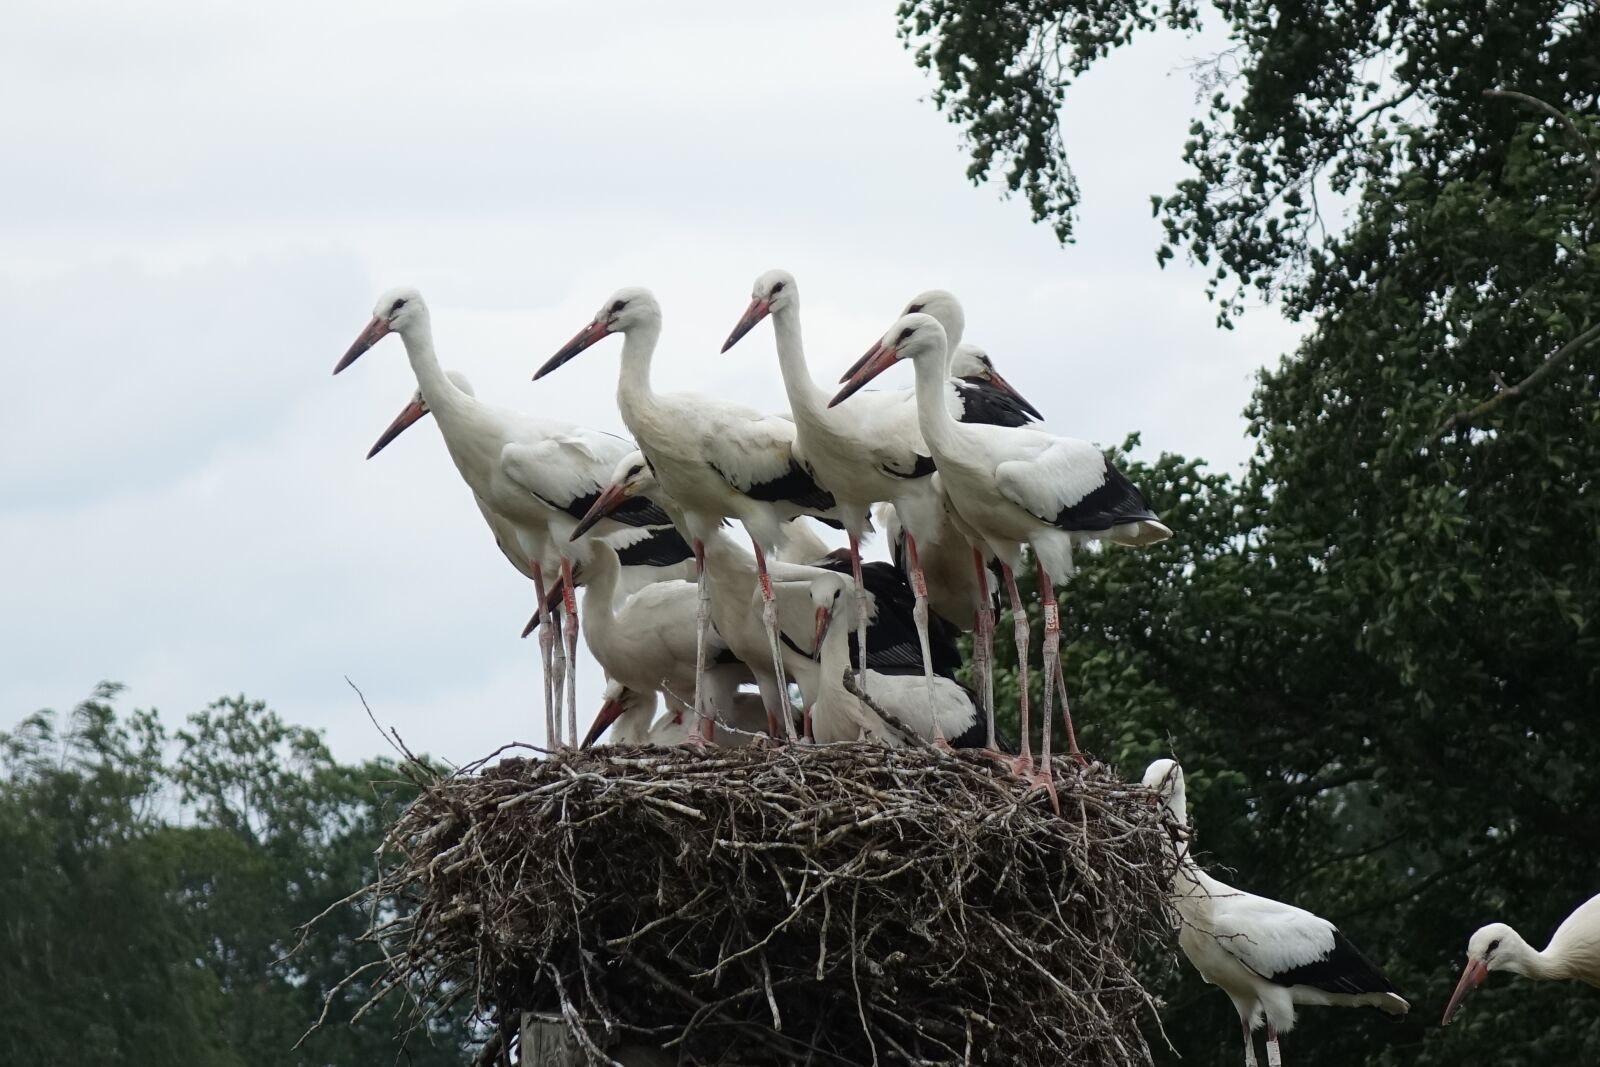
(662, 548)
(981, 402)
(1115, 502)
(795, 486)
(1343, 970)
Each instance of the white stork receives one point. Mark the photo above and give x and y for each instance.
(1266, 955)
(717, 459)
(1015, 486)
(630, 714)
(538, 475)
(1573, 952)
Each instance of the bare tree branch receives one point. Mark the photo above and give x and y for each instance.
(1550, 109)
(1544, 370)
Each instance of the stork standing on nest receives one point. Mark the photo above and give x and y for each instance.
(1573, 952)
(1015, 486)
(716, 459)
(1266, 955)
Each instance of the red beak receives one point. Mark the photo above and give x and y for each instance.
(824, 620)
(758, 310)
(607, 502)
(1471, 978)
(609, 712)
(877, 346)
(552, 599)
(409, 414)
(1007, 388)
(874, 364)
(580, 340)
(375, 331)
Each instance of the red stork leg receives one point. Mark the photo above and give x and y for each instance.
(1045, 778)
(861, 613)
(983, 645)
(919, 612)
(569, 602)
(546, 655)
(769, 618)
(700, 724)
(1019, 620)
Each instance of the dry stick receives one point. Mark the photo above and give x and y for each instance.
(1550, 109)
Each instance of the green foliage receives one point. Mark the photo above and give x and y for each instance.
(154, 883)
(1376, 650)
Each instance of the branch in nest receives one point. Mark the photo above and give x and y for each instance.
(1544, 370)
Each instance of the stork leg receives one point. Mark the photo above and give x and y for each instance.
(546, 653)
(558, 667)
(861, 612)
(700, 725)
(1052, 664)
(769, 618)
(569, 601)
(1046, 777)
(1274, 1057)
(919, 589)
(1249, 1044)
(1019, 620)
(983, 644)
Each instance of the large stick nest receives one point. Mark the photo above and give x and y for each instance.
(844, 904)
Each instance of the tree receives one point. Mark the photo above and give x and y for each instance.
(1376, 652)
(159, 882)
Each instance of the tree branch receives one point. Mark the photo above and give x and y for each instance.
(1550, 109)
(1543, 371)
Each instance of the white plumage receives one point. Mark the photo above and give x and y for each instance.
(1266, 955)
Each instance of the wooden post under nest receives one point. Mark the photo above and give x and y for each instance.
(546, 1042)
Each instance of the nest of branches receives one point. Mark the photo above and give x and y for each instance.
(845, 904)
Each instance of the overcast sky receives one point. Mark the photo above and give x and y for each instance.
(201, 202)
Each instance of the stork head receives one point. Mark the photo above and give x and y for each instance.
(396, 311)
(941, 304)
(1164, 778)
(414, 410)
(773, 291)
(972, 362)
(619, 701)
(918, 336)
(1495, 947)
(626, 309)
(631, 477)
(828, 597)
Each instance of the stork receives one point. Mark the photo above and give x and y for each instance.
(1012, 486)
(1573, 952)
(538, 475)
(630, 716)
(716, 459)
(1266, 955)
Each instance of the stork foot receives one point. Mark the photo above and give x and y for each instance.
(1045, 779)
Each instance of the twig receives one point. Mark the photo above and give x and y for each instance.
(1529, 100)
(1543, 371)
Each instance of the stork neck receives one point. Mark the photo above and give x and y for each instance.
(1519, 957)
(440, 392)
(805, 399)
(633, 385)
(933, 414)
(600, 585)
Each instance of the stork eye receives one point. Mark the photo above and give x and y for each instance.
(915, 308)
(776, 289)
(398, 304)
(1493, 945)
(903, 335)
(635, 471)
(618, 306)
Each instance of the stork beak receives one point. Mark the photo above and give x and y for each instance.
(607, 502)
(409, 414)
(609, 712)
(1471, 978)
(580, 340)
(758, 310)
(552, 600)
(375, 332)
(824, 620)
(1010, 390)
(873, 364)
(877, 346)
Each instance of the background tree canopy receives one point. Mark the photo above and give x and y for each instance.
(153, 882)
(1376, 650)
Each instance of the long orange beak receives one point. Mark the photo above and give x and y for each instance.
(409, 414)
(609, 713)
(607, 502)
(1471, 978)
(552, 599)
(580, 340)
(1010, 390)
(824, 620)
(758, 310)
(872, 366)
(877, 346)
(375, 332)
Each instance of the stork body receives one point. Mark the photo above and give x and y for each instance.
(1573, 953)
(716, 459)
(1269, 957)
(630, 716)
(1016, 486)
